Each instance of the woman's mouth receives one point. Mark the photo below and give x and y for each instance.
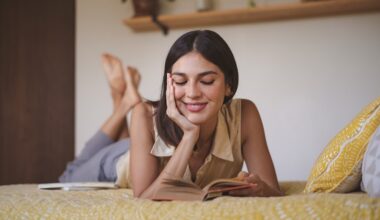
(195, 107)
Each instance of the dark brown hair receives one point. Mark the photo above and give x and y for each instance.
(214, 49)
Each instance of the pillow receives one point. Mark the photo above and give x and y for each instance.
(371, 166)
(338, 168)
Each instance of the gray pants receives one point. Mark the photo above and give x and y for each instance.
(97, 161)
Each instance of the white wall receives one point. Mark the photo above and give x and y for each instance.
(308, 77)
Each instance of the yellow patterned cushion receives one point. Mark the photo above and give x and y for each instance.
(338, 168)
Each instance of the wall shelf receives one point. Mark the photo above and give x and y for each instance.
(256, 14)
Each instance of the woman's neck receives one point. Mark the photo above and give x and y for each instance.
(207, 133)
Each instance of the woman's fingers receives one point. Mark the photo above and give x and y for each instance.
(248, 177)
(253, 190)
(242, 175)
(253, 178)
(172, 110)
(257, 185)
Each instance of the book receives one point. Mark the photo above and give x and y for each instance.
(178, 189)
(78, 186)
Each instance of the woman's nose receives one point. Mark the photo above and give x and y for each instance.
(193, 91)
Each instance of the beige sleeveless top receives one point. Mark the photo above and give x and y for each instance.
(224, 161)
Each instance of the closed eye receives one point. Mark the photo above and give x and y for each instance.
(180, 83)
(208, 82)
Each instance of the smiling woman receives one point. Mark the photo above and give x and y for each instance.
(196, 131)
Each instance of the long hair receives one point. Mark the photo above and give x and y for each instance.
(214, 49)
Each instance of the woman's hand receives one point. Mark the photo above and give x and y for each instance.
(258, 187)
(174, 114)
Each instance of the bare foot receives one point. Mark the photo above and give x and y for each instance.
(114, 72)
(131, 96)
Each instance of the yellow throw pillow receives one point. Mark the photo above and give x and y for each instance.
(338, 168)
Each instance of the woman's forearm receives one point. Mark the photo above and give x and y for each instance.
(176, 166)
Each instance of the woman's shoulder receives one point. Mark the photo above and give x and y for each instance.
(248, 111)
(145, 108)
(240, 110)
(144, 114)
(239, 107)
(250, 117)
(245, 105)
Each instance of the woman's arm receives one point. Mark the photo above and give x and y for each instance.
(144, 166)
(146, 179)
(256, 155)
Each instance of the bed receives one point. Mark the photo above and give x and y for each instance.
(337, 172)
(25, 201)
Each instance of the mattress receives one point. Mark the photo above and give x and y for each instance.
(27, 202)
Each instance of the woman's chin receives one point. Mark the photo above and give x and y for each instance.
(196, 119)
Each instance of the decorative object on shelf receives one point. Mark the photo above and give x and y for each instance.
(149, 8)
(203, 5)
(251, 3)
(257, 14)
(145, 7)
(313, 0)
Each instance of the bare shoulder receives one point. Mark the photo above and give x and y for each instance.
(144, 108)
(250, 118)
(142, 115)
(248, 110)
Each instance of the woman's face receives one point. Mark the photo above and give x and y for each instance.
(199, 88)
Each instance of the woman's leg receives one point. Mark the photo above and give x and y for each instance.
(114, 71)
(98, 142)
(131, 95)
(87, 166)
(124, 96)
(100, 167)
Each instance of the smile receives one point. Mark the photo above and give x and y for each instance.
(195, 107)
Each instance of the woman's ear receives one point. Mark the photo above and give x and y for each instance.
(228, 91)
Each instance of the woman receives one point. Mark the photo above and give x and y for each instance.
(196, 131)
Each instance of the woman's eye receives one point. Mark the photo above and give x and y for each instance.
(207, 82)
(180, 83)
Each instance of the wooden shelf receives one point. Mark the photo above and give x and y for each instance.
(256, 14)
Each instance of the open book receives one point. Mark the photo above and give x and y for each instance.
(78, 186)
(178, 189)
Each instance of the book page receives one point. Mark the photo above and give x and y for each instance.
(78, 186)
(179, 189)
(224, 183)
